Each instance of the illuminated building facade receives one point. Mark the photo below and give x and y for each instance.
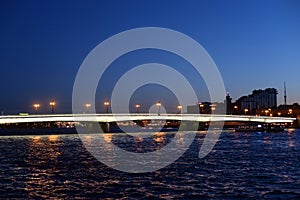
(259, 99)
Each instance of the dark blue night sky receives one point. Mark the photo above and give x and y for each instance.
(255, 44)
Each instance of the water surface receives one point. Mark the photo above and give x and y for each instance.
(241, 165)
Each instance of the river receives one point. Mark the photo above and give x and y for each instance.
(241, 165)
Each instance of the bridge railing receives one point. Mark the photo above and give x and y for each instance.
(140, 116)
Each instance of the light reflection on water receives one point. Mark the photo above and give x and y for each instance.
(42, 151)
(242, 165)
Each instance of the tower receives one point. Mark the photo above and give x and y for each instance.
(285, 93)
(228, 104)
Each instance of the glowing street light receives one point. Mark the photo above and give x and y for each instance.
(137, 106)
(87, 105)
(52, 105)
(201, 106)
(36, 107)
(236, 109)
(290, 111)
(106, 104)
(158, 104)
(270, 110)
(246, 110)
(213, 107)
(179, 107)
(279, 114)
(267, 111)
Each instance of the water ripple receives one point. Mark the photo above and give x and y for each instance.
(241, 165)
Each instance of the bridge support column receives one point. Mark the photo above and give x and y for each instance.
(105, 127)
(92, 127)
(202, 126)
(297, 121)
(188, 125)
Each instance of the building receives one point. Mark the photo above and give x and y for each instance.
(203, 108)
(259, 99)
(229, 105)
(208, 107)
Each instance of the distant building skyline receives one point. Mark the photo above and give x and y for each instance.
(259, 99)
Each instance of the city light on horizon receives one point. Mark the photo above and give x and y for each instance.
(267, 111)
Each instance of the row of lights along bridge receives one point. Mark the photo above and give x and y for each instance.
(37, 107)
(52, 104)
(267, 112)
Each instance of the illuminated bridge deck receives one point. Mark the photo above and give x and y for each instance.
(128, 117)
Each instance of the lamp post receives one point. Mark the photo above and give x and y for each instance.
(158, 104)
(87, 105)
(137, 106)
(279, 113)
(213, 107)
(246, 110)
(236, 109)
(106, 104)
(36, 107)
(52, 105)
(270, 111)
(267, 111)
(201, 106)
(179, 107)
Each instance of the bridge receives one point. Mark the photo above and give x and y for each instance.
(7, 119)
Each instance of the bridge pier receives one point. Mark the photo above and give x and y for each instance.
(93, 127)
(202, 126)
(188, 125)
(105, 126)
(297, 121)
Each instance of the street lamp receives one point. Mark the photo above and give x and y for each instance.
(158, 104)
(279, 114)
(290, 111)
(267, 111)
(137, 106)
(87, 105)
(179, 107)
(106, 104)
(236, 109)
(213, 107)
(270, 110)
(201, 106)
(52, 105)
(36, 107)
(246, 110)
